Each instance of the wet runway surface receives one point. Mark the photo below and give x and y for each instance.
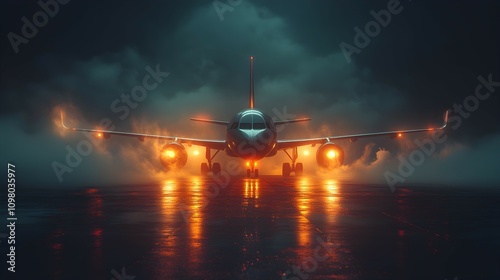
(266, 228)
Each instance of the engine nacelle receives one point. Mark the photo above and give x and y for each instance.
(173, 156)
(330, 155)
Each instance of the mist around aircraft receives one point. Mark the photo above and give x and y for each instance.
(252, 135)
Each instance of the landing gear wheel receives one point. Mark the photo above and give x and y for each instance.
(216, 168)
(204, 169)
(256, 173)
(248, 172)
(286, 169)
(299, 169)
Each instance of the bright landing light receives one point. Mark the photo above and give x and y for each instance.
(170, 153)
(196, 152)
(331, 154)
(306, 152)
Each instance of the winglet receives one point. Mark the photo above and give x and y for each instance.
(445, 119)
(62, 121)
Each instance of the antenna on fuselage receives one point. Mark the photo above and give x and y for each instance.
(251, 102)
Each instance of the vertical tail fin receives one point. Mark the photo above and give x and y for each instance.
(251, 102)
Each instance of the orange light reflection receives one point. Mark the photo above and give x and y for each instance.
(303, 199)
(331, 200)
(251, 189)
(96, 213)
(196, 220)
(303, 204)
(169, 204)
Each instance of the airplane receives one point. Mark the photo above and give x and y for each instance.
(252, 135)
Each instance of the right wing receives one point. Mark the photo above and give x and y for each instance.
(212, 144)
(291, 121)
(287, 144)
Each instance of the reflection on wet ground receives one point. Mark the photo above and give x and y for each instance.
(266, 228)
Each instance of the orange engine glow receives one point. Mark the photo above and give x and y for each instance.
(196, 152)
(331, 154)
(173, 156)
(170, 153)
(306, 152)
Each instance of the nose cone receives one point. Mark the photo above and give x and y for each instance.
(259, 137)
(255, 144)
(252, 134)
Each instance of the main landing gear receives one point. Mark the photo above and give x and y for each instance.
(209, 166)
(252, 169)
(297, 168)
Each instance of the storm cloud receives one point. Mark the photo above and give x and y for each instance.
(91, 54)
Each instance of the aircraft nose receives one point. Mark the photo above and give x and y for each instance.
(259, 136)
(250, 134)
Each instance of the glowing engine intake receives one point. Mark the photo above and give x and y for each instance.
(173, 156)
(330, 155)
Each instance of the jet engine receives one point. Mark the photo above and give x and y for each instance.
(330, 155)
(173, 156)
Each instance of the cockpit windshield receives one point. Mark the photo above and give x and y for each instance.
(252, 121)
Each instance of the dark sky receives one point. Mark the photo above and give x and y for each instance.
(426, 59)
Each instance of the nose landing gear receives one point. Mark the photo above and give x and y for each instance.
(252, 169)
(208, 166)
(297, 168)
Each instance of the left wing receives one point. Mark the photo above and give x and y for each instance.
(210, 121)
(287, 144)
(212, 144)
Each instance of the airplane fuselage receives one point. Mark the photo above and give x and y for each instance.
(251, 135)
